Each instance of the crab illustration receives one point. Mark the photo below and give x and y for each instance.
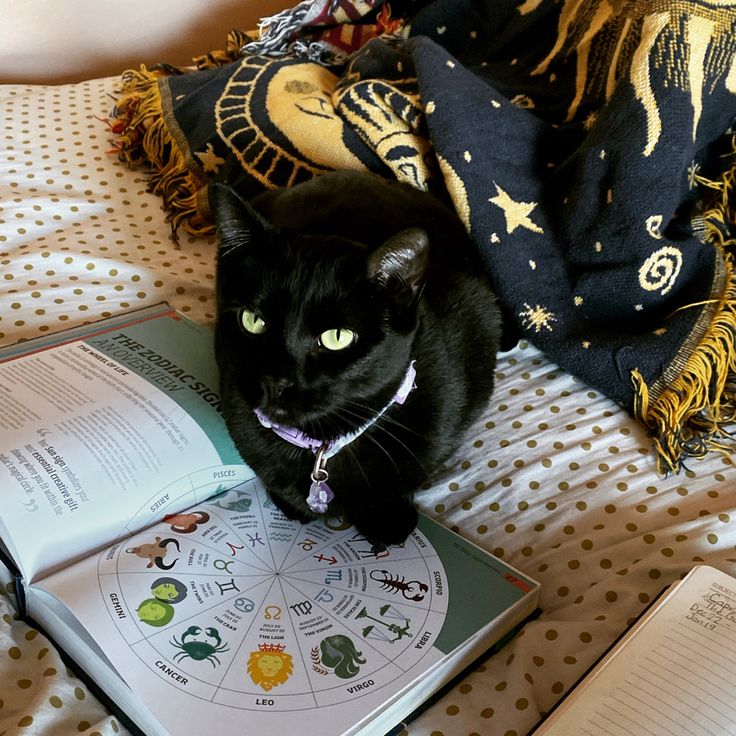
(199, 648)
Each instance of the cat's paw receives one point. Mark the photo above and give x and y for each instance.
(392, 526)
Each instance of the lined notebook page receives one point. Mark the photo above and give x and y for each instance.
(674, 674)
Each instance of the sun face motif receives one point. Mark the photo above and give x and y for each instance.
(295, 135)
(629, 39)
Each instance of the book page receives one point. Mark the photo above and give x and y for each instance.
(673, 675)
(238, 615)
(104, 435)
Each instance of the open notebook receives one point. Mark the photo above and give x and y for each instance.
(673, 674)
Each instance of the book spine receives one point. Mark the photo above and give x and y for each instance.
(18, 584)
(20, 595)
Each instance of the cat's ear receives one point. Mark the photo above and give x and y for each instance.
(400, 264)
(238, 223)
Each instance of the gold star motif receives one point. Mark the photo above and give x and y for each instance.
(516, 213)
(210, 160)
(537, 317)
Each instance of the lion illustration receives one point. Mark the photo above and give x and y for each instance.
(270, 666)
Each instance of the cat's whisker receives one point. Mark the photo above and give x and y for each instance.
(392, 435)
(399, 425)
(331, 428)
(361, 411)
(344, 413)
(356, 461)
(404, 445)
(375, 441)
(295, 453)
(387, 418)
(350, 417)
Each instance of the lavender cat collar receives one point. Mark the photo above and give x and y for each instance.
(320, 493)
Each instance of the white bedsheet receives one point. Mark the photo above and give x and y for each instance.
(555, 478)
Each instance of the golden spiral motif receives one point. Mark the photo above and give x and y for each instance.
(661, 269)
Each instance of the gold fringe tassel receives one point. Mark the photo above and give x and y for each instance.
(692, 414)
(234, 43)
(145, 135)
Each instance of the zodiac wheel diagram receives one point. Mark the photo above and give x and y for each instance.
(236, 604)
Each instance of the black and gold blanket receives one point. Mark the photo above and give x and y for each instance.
(588, 146)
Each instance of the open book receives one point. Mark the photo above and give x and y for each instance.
(672, 674)
(149, 551)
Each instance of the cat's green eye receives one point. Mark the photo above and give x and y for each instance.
(252, 322)
(337, 339)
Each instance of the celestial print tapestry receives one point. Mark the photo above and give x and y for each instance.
(588, 147)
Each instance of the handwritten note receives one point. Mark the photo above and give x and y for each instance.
(674, 674)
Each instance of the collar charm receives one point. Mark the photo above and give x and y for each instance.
(320, 494)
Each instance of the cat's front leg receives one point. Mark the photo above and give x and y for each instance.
(293, 511)
(388, 522)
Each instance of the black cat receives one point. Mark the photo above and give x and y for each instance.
(351, 309)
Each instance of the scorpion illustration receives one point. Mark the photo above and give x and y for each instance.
(197, 649)
(413, 590)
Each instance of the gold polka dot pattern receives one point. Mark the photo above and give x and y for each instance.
(80, 237)
(554, 478)
(560, 482)
(39, 695)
